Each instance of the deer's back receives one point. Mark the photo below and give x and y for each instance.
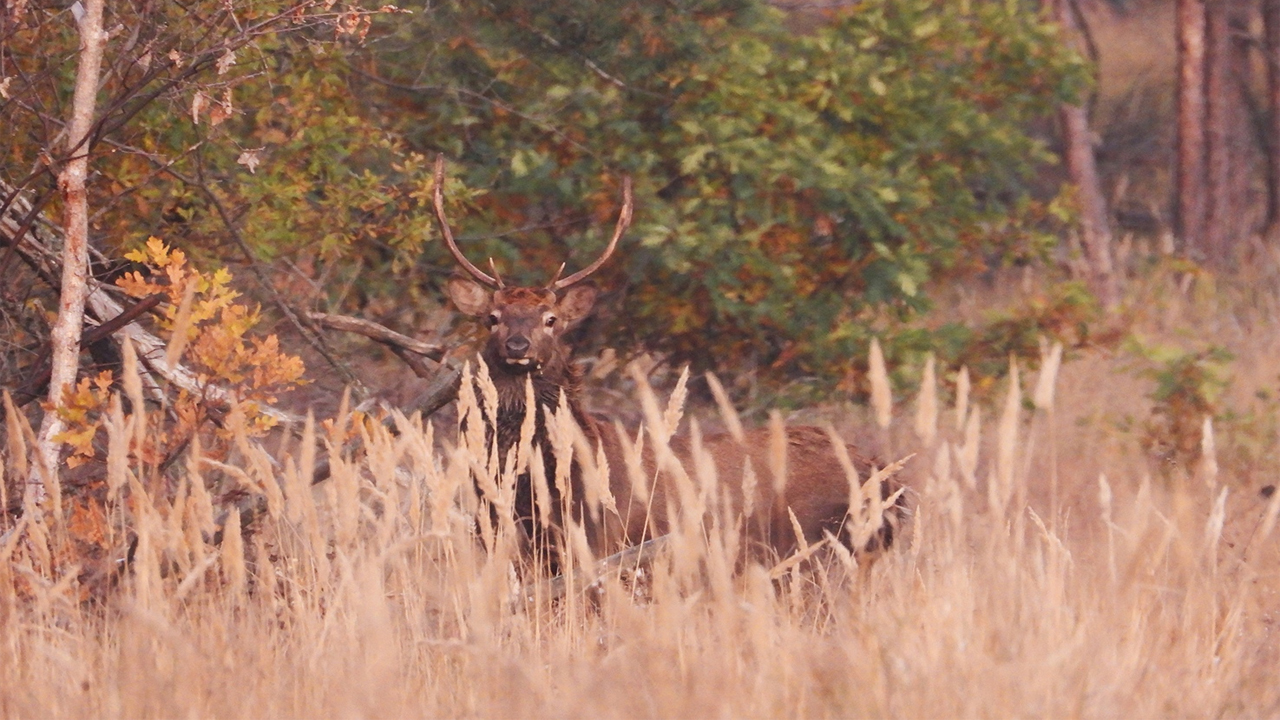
(817, 489)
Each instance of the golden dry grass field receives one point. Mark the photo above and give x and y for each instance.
(1050, 569)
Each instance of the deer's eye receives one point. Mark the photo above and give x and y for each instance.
(550, 321)
(494, 319)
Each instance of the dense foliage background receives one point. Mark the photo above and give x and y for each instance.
(799, 180)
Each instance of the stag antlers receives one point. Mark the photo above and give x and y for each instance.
(495, 281)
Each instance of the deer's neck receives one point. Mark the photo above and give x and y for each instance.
(549, 382)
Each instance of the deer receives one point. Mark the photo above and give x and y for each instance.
(526, 346)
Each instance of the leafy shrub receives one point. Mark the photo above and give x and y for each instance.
(213, 334)
(1189, 387)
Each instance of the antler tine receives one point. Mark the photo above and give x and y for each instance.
(556, 278)
(475, 272)
(624, 221)
(493, 267)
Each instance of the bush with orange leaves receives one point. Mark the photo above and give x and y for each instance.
(126, 451)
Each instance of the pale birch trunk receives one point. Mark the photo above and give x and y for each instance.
(65, 335)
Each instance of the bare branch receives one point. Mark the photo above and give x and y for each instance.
(374, 331)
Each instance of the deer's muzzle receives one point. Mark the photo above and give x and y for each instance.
(517, 346)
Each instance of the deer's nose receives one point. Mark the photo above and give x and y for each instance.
(517, 346)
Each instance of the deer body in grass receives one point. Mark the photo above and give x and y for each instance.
(526, 348)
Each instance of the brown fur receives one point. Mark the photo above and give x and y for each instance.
(526, 343)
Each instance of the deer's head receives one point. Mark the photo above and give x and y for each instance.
(526, 324)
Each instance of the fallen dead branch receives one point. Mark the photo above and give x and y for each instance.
(629, 565)
(376, 332)
(403, 346)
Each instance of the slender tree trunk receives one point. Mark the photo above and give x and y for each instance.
(1271, 49)
(65, 336)
(1220, 113)
(1095, 227)
(1242, 141)
(1189, 209)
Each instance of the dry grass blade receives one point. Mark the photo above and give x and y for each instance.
(704, 467)
(1105, 502)
(1007, 441)
(967, 454)
(649, 404)
(675, 404)
(846, 463)
(131, 377)
(528, 428)
(750, 487)
(942, 465)
(118, 434)
(181, 325)
(728, 412)
(593, 476)
(14, 436)
(633, 455)
(1208, 455)
(1050, 361)
(9, 540)
(962, 397)
(488, 391)
(801, 542)
(841, 451)
(1213, 526)
(562, 431)
(806, 551)
(926, 425)
(881, 395)
(867, 518)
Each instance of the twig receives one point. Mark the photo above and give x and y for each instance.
(35, 386)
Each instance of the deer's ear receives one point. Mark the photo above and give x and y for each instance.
(470, 297)
(577, 303)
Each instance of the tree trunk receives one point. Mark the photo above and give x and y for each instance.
(1243, 151)
(1271, 48)
(1095, 227)
(65, 335)
(1226, 168)
(1189, 210)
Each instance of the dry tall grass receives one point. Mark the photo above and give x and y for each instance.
(387, 591)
